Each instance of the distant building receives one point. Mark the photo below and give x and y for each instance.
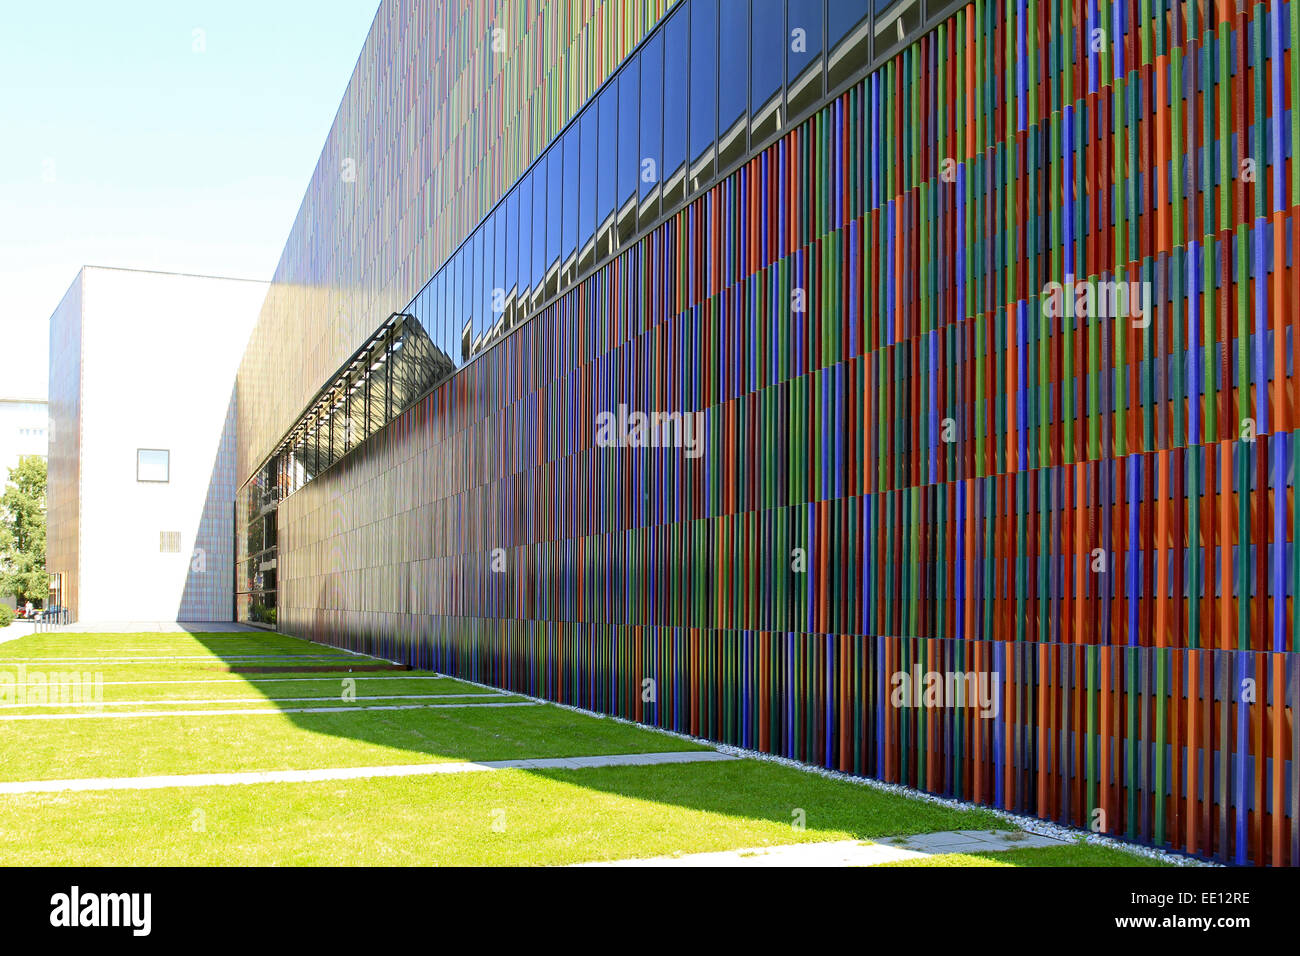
(23, 425)
(142, 468)
(24, 422)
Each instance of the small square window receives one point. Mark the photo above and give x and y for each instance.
(152, 464)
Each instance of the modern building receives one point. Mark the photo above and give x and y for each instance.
(904, 388)
(23, 425)
(142, 444)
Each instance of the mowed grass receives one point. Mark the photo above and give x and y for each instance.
(502, 817)
(153, 674)
(110, 743)
(129, 747)
(295, 691)
(506, 817)
(179, 645)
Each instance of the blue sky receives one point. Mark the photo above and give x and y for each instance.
(132, 140)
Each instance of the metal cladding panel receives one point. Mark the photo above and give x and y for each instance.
(925, 449)
(449, 102)
(63, 502)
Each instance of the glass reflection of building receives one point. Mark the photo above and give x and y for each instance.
(713, 84)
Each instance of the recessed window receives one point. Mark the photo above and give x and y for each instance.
(169, 542)
(152, 464)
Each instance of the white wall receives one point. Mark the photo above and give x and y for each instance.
(22, 430)
(159, 355)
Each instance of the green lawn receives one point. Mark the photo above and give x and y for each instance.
(57, 750)
(541, 817)
(293, 690)
(496, 817)
(216, 646)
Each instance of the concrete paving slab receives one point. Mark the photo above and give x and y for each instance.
(165, 781)
(838, 853)
(155, 627)
(134, 714)
(314, 660)
(850, 852)
(16, 630)
(235, 700)
(931, 840)
(971, 841)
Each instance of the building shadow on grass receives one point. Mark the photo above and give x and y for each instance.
(742, 788)
(329, 691)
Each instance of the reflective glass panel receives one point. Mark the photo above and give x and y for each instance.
(677, 45)
(703, 90)
(895, 24)
(766, 60)
(607, 146)
(540, 230)
(569, 208)
(554, 223)
(442, 335)
(464, 302)
(733, 90)
(588, 179)
(804, 55)
(652, 126)
(848, 38)
(524, 274)
(485, 247)
(153, 464)
(503, 295)
(629, 159)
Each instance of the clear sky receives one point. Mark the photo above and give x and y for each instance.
(176, 135)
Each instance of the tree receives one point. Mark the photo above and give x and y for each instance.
(22, 532)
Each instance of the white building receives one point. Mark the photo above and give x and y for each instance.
(142, 444)
(23, 424)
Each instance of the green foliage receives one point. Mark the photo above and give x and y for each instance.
(6, 615)
(260, 613)
(22, 532)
